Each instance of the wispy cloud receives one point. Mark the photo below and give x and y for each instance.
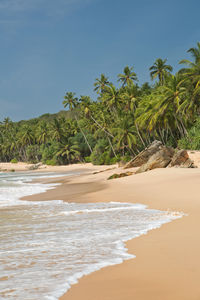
(48, 7)
(15, 14)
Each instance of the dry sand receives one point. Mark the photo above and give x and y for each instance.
(167, 264)
(22, 167)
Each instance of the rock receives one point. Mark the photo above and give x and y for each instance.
(179, 158)
(160, 159)
(114, 176)
(188, 164)
(144, 156)
(35, 166)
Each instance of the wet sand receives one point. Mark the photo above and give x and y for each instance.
(167, 264)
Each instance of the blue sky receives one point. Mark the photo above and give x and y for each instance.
(49, 47)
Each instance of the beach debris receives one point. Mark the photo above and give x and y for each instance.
(114, 176)
(144, 155)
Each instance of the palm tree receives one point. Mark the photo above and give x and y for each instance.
(128, 77)
(27, 136)
(125, 134)
(111, 97)
(56, 130)
(130, 96)
(191, 76)
(100, 84)
(159, 113)
(71, 101)
(86, 105)
(160, 70)
(195, 52)
(69, 151)
(42, 133)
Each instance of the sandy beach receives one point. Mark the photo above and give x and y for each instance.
(167, 264)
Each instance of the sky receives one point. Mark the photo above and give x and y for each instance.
(50, 47)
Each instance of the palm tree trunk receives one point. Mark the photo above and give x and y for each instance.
(83, 135)
(140, 137)
(184, 129)
(113, 150)
(160, 133)
(102, 127)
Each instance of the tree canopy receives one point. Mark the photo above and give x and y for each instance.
(121, 122)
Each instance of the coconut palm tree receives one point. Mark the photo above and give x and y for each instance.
(56, 130)
(195, 52)
(160, 70)
(128, 77)
(100, 84)
(130, 96)
(191, 76)
(71, 101)
(125, 134)
(42, 133)
(69, 151)
(111, 97)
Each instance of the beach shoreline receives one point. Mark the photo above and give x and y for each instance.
(167, 259)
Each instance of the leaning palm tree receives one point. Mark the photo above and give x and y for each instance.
(100, 84)
(128, 77)
(160, 70)
(71, 101)
(191, 76)
(86, 105)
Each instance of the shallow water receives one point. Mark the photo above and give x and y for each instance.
(47, 246)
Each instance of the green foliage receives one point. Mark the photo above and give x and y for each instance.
(14, 161)
(192, 140)
(51, 162)
(99, 156)
(49, 151)
(33, 154)
(87, 159)
(102, 154)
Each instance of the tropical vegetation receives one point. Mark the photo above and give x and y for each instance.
(121, 122)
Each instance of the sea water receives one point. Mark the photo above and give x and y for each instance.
(46, 246)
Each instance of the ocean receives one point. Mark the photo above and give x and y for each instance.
(46, 246)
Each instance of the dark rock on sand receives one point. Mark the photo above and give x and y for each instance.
(144, 156)
(181, 159)
(160, 159)
(114, 176)
(35, 166)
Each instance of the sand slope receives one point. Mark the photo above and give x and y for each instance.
(167, 264)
